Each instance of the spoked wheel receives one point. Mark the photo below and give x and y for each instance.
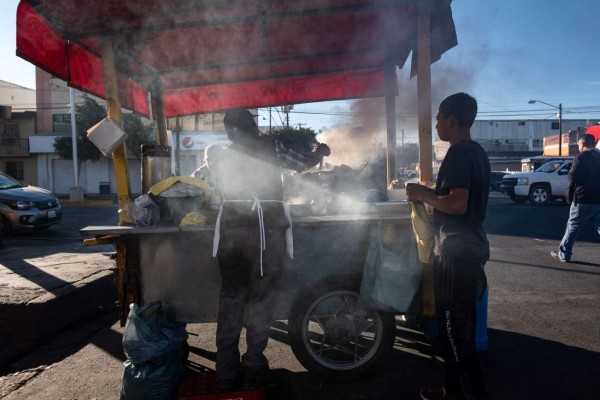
(331, 335)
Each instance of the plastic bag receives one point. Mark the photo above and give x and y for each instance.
(155, 350)
(144, 211)
(390, 280)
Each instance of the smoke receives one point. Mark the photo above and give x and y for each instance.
(361, 138)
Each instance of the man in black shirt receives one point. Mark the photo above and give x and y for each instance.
(461, 246)
(584, 195)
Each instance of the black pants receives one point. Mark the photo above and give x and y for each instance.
(458, 284)
(245, 292)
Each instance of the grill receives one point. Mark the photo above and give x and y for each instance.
(46, 205)
(508, 186)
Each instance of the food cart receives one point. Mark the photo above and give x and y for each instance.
(193, 56)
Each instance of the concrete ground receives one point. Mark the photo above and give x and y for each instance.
(544, 324)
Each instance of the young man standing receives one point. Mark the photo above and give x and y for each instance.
(461, 247)
(584, 195)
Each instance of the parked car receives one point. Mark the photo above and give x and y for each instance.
(25, 208)
(550, 181)
(496, 180)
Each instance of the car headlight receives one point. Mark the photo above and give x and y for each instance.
(523, 181)
(22, 204)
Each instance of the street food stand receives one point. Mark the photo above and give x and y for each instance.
(203, 56)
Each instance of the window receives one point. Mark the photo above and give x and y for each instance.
(15, 169)
(537, 143)
(9, 131)
(554, 126)
(61, 123)
(521, 123)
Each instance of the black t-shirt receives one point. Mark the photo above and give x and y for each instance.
(466, 166)
(585, 175)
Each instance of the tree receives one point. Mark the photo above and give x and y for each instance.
(137, 134)
(303, 136)
(88, 114)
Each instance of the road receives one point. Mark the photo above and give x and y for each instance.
(543, 327)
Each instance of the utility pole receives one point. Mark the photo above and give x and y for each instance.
(286, 110)
(560, 130)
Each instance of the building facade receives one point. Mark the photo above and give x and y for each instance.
(17, 125)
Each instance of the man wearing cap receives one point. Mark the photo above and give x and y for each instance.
(250, 241)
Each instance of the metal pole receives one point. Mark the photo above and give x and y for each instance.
(74, 139)
(424, 93)
(390, 115)
(560, 130)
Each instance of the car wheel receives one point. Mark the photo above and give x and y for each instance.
(518, 199)
(539, 194)
(333, 336)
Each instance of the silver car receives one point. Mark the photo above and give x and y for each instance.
(24, 208)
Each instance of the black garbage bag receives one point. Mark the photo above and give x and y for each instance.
(156, 349)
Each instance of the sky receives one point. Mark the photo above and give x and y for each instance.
(508, 53)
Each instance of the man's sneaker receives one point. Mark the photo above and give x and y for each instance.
(437, 394)
(555, 254)
(255, 378)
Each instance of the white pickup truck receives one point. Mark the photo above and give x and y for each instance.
(550, 181)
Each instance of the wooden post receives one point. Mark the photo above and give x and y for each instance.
(113, 105)
(424, 93)
(126, 287)
(390, 115)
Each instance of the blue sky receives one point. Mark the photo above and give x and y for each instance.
(509, 52)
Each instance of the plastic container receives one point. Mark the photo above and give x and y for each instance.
(107, 136)
(156, 164)
(481, 336)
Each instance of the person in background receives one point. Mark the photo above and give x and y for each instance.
(251, 239)
(207, 171)
(583, 194)
(461, 246)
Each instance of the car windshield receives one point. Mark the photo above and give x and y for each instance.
(6, 182)
(549, 167)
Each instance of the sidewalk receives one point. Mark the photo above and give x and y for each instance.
(90, 200)
(46, 287)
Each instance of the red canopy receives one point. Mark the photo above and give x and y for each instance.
(593, 130)
(209, 55)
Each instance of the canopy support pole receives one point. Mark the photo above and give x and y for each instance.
(128, 289)
(424, 92)
(390, 115)
(113, 106)
(157, 106)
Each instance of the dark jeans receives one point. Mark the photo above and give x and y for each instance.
(458, 284)
(244, 292)
(579, 214)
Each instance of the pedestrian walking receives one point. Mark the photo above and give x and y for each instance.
(583, 194)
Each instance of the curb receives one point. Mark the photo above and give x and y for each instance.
(87, 203)
(47, 315)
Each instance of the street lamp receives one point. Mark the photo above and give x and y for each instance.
(559, 122)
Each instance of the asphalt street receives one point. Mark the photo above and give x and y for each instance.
(543, 327)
